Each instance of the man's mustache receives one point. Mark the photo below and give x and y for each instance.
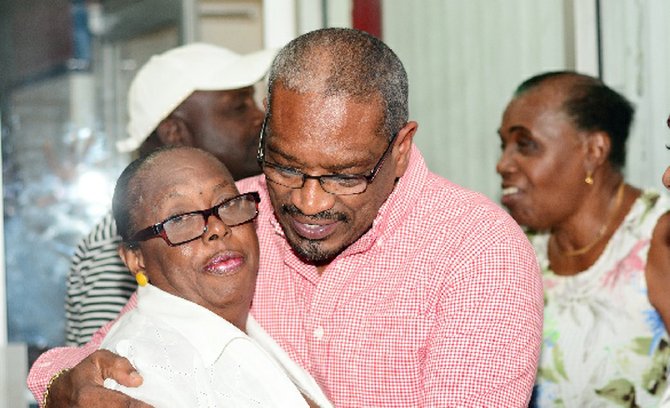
(323, 215)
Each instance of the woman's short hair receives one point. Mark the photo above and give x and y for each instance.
(593, 106)
(127, 191)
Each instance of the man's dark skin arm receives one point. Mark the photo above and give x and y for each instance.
(82, 386)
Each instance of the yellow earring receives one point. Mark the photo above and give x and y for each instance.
(141, 278)
(589, 178)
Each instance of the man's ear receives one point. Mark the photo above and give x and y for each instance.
(403, 146)
(133, 258)
(173, 131)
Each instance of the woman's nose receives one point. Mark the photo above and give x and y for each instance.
(504, 164)
(215, 228)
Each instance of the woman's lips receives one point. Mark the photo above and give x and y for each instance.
(314, 231)
(224, 264)
(509, 190)
(509, 195)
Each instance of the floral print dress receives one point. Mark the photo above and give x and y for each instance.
(604, 344)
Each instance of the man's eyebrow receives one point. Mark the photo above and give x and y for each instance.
(284, 155)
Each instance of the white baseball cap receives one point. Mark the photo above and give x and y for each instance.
(167, 79)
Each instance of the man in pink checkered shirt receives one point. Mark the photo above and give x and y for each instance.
(391, 285)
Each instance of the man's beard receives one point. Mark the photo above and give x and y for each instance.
(311, 250)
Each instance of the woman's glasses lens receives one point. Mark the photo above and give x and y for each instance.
(235, 211)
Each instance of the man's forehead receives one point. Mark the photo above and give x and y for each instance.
(324, 109)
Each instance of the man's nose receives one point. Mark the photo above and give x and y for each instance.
(312, 198)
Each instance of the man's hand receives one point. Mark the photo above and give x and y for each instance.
(82, 386)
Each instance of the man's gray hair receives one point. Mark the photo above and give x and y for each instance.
(343, 61)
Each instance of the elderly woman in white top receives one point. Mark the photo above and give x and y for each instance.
(189, 239)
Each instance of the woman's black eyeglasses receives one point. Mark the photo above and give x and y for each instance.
(183, 228)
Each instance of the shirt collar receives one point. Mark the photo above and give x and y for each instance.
(208, 332)
(397, 206)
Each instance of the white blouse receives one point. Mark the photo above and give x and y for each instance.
(190, 357)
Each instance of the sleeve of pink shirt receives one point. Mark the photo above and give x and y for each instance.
(485, 348)
(56, 359)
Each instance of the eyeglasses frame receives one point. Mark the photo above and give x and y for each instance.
(369, 178)
(158, 229)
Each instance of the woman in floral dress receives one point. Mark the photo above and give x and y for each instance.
(603, 245)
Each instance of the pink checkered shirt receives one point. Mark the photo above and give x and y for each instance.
(438, 304)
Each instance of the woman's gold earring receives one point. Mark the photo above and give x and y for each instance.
(141, 279)
(589, 178)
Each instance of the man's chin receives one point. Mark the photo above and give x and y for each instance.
(313, 252)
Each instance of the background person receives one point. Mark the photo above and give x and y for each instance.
(666, 174)
(390, 285)
(197, 95)
(188, 335)
(601, 243)
(665, 401)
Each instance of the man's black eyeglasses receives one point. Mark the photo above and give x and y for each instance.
(338, 184)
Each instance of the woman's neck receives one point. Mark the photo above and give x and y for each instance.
(576, 246)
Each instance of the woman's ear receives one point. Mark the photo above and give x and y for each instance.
(403, 146)
(598, 148)
(173, 131)
(133, 258)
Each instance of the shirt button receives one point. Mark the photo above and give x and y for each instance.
(318, 333)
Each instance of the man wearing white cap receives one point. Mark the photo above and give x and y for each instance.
(196, 95)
